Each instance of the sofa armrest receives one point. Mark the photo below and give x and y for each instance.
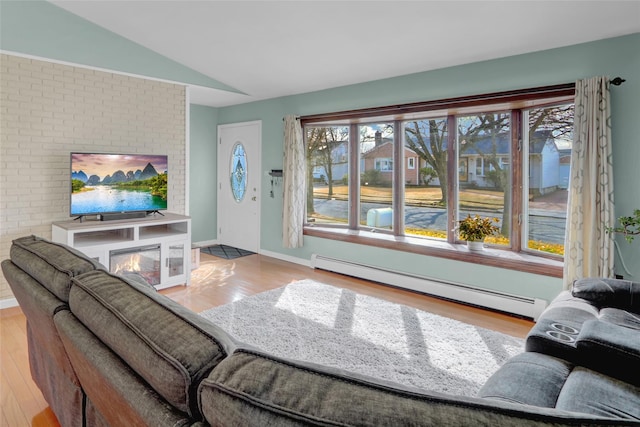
(610, 349)
(138, 278)
(604, 292)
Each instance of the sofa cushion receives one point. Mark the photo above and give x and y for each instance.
(604, 292)
(51, 264)
(115, 394)
(580, 309)
(558, 326)
(620, 317)
(528, 378)
(60, 386)
(39, 306)
(169, 346)
(611, 349)
(254, 389)
(591, 392)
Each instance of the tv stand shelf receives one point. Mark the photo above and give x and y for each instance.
(99, 239)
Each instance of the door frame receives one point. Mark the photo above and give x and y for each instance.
(222, 180)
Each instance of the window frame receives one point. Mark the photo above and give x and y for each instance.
(513, 256)
(387, 161)
(411, 163)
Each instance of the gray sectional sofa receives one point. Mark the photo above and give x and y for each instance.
(108, 350)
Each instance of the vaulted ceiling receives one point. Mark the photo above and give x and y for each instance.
(267, 49)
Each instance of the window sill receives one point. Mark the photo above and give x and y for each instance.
(489, 256)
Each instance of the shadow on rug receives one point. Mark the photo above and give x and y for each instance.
(314, 322)
(226, 252)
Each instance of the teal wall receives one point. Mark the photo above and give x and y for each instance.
(41, 29)
(44, 30)
(625, 122)
(613, 57)
(203, 203)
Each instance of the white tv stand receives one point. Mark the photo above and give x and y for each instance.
(167, 237)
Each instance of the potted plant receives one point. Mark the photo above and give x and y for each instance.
(475, 229)
(629, 226)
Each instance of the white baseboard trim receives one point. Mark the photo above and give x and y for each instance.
(283, 257)
(8, 303)
(510, 303)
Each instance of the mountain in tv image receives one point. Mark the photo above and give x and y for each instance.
(100, 184)
(117, 176)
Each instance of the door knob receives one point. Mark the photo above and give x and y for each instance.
(253, 198)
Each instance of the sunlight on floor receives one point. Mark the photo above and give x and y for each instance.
(319, 323)
(407, 332)
(306, 305)
(371, 317)
(212, 272)
(366, 317)
(447, 355)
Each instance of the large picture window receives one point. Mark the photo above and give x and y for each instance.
(505, 157)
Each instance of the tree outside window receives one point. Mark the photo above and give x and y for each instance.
(327, 168)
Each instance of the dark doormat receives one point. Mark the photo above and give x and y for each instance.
(226, 252)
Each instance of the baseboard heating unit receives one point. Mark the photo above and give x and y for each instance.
(522, 306)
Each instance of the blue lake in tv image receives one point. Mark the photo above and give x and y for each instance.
(106, 198)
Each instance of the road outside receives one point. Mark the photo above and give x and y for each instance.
(547, 215)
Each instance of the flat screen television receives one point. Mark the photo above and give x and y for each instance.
(117, 183)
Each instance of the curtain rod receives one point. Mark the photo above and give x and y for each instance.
(617, 81)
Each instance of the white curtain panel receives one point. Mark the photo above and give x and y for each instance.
(294, 184)
(589, 249)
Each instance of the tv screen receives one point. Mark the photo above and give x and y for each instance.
(107, 183)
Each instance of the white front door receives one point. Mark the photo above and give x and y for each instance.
(239, 173)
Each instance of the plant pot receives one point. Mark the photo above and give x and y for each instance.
(475, 245)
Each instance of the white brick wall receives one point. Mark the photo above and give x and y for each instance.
(48, 110)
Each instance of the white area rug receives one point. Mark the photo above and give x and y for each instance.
(315, 322)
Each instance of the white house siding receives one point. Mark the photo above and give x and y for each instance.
(550, 180)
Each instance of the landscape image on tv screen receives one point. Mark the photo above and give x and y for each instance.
(104, 183)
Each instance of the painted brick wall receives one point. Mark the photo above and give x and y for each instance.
(49, 110)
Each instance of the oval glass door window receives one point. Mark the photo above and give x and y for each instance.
(238, 172)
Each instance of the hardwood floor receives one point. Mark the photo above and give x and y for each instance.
(216, 282)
